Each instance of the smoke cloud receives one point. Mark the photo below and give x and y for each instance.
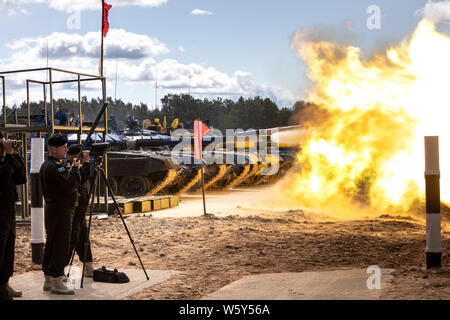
(438, 12)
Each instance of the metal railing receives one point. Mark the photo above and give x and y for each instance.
(49, 126)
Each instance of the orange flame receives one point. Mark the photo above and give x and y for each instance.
(366, 145)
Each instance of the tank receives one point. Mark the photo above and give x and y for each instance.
(133, 173)
(145, 162)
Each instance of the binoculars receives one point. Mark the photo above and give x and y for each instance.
(16, 144)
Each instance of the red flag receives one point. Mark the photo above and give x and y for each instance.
(105, 25)
(199, 131)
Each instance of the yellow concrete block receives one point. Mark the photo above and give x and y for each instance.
(156, 204)
(142, 206)
(165, 202)
(127, 207)
(174, 201)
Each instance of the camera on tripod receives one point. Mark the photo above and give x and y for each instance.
(99, 149)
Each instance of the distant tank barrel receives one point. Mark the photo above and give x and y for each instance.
(151, 143)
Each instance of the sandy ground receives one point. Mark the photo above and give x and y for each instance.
(248, 232)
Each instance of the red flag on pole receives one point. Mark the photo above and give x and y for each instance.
(105, 25)
(105, 28)
(199, 131)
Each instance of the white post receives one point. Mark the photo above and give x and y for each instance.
(37, 207)
(433, 203)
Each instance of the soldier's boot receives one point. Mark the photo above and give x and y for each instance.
(4, 293)
(13, 293)
(58, 287)
(47, 283)
(89, 270)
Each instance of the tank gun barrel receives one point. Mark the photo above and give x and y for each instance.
(151, 143)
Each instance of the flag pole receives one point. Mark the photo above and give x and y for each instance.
(201, 164)
(101, 34)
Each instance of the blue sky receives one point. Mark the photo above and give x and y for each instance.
(238, 48)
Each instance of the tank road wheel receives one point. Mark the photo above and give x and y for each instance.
(114, 186)
(133, 186)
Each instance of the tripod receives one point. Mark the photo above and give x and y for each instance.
(98, 170)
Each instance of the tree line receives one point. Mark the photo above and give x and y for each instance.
(245, 113)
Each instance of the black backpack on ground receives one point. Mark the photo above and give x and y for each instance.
(112, 276)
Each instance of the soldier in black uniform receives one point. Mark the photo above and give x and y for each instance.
(59, 187)
(79, 226)
(12, 173)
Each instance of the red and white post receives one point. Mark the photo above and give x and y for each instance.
(433, 203)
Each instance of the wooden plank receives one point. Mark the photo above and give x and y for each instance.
(14, 125)
(76, 129)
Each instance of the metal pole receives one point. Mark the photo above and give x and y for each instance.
(28, 103)
(4, 101)
(105, 159)
(101, 34)
(115, 84)
(80, 132)
(433, 203)
(203, 191)
(199, 129)
(25, 204)
(52, 115)
(45, 106)
(26, 185)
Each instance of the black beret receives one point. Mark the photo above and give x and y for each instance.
(57, 140)
(74, 149)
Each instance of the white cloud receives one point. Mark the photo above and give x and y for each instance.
(25, 12)
(13, 11)
(201, 12)
(136, 65)
(181, 49)
(436, 11)
(118, 43)
(175, 77)
(70, 5)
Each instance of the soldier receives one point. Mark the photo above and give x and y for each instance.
(61, 116)
(12, 173)
(79, 227)
(59, 187)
